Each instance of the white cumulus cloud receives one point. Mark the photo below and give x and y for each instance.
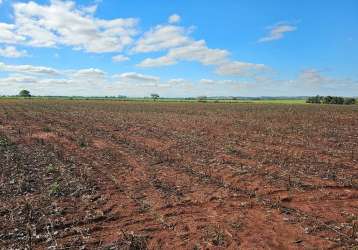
(207, 81)
(177, 81)
(120, 58)
(8, 34)
(62, 23)
(12, 52)
(90, 73)
(194, 51)
(157, 62)
(162, 37)
(28, 69)
(199, 51)
(180, 46)
(137, 78)
(175, 18)
(237, 68)
(277, 32)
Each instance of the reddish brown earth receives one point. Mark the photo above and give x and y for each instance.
(130, 175)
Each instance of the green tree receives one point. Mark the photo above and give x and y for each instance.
(154, 96)
(24, 93)
(331, 100)
(314, 99)
(328, 99)
(349, 101)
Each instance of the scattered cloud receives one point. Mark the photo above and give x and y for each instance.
(12, 52)
(92, 81)
(277, 32)
(62, 23)
(11, 80)
(8, 34)
(317, 79)
(120, 58)
(199, 51)
(91, 9)
(177, 81)
(90, 73)
(181, 47)
(311, 77)
(220, 82)
(309, 81)
(207, 81)
(194, 51)
(28, 69)
(137, 77)
(162, 37)
(237, 68)
(157, 62)
(175, 18)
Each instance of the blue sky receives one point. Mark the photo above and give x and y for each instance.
(179, 48)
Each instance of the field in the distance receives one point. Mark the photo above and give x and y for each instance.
(168, 100)
(131, 175)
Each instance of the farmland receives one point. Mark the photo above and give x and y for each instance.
(136, 175)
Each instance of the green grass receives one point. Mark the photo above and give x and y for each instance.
(167, 100)
(263, 101)
(278, 101)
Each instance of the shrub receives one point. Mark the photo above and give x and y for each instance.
(135, 242)
(4, 142)
(82, 142)
(46, 129)
(219, 239)
(314, 99)
(55, 189)
(51, 168)
(330, 100)
(349, 101)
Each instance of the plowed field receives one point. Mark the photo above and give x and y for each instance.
(134, 175)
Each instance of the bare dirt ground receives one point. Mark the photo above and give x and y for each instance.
(130, 175)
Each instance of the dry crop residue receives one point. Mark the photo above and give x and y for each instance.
(137, 175)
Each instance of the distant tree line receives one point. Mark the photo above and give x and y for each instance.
(331, 100)
(202, 98)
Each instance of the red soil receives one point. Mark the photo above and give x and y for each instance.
(114, 175)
